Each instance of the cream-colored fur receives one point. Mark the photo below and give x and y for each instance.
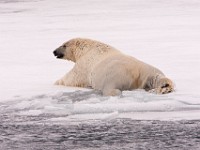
(102, 67)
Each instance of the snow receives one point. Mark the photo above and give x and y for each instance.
(162, 33)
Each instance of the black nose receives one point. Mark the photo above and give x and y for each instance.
(58, 54)
(55, 53)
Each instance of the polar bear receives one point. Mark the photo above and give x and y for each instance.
(102, 67)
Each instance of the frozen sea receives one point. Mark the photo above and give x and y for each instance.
(35, 114)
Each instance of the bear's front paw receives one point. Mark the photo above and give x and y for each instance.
(59, 82)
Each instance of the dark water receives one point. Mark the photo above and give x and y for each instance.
(29, 132)
(42, 132)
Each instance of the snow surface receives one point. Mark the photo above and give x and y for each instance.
(163, 33)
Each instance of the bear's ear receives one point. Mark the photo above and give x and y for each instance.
(78, 43)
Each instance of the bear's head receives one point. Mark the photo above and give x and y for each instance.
(73, 49)
(67, 50)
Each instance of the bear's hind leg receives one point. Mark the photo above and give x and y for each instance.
(111, 92)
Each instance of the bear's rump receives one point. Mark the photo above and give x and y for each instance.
(112, 74)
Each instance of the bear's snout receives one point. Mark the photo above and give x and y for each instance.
(58, 54)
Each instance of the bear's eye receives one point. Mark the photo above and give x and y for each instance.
(64, 46)
(166, 85)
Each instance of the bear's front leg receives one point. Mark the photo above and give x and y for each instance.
(68, 80)
(73, 78)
